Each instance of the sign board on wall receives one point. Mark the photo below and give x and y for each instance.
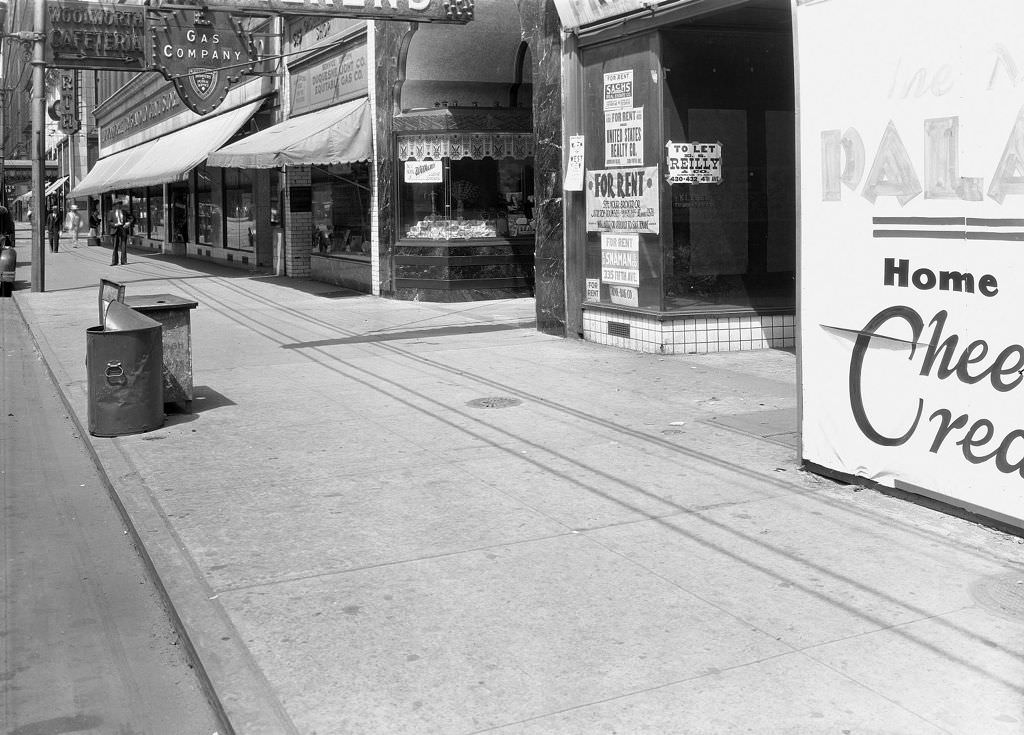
(693, 163)
(620, 258)
(202, 53)
(424, 172)
(910, 252)
(618, 90)
(623, 200)
(332, 81)
(574, 171)
(576, 13)
(624, 137)
(96, 35)
(417, 11)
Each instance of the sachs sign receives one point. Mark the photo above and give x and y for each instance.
(202, 53)
(420, 11)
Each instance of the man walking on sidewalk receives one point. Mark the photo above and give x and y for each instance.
(119, 228)
(53, 224)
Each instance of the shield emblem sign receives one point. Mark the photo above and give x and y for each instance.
(202, 53)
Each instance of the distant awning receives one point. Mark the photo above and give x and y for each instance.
(55, 185)
(338, 134)
(165, 159)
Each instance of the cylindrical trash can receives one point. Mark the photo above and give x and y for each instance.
(124, 363)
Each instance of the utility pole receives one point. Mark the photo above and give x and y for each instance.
(38, 145)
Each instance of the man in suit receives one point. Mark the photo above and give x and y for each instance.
(119, 229)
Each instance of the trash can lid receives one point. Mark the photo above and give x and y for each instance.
(123, 318)
(147, 301)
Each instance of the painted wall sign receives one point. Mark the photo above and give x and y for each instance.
(576, 13)
(624, 137)
(421, 11)
(95, 35)
(912, 184)
(574, 171)
(693, 163)
(160, 106)
(337, 79)
(424, 172)
(618, 90)
(305, 32)
(620, 258)
(623, 200)
(68, 120)
(203, 53)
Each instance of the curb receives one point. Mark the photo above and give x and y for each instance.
(241, 698)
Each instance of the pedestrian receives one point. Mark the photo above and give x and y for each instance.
(6, 227)
(119, 229)
(74, 223)
(53, 225)
(94, 222)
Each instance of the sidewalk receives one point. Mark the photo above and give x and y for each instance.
(406, 518)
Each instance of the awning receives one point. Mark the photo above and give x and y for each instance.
(55, 185)
(165, 159)
(338, 134)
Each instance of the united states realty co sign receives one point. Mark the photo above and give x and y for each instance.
(912, 246)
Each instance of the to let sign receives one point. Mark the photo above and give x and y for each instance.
(694, 163)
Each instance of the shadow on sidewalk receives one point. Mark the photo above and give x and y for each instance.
(411, 334)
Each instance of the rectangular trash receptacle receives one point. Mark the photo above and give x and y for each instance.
(173, 313)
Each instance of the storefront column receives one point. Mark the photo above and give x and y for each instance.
(298, 232)
(261, 212)
(542, 31)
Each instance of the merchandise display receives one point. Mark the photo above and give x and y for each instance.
(440, 229)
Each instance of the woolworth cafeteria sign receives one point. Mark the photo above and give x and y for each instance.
(911, 235)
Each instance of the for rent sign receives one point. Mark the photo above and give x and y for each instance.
(912, 184)
(623, 200)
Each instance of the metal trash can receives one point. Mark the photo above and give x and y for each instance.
(173, 314)
(124, 362)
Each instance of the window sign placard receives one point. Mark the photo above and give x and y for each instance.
(624, 295)
(910, 204)
(623, 200)
(624, 137)
(694, 163)
(620, 258)
(574, 173)
(618, 90)
(424, 172)
(593, 289)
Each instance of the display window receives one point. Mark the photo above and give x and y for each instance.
(466, 186)
(179, 212)
(154, 214)
(209, 230)
(240, 221)
(341, 210)
(710, 137)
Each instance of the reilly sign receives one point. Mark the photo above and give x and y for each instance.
(419, 11)
(202, 53)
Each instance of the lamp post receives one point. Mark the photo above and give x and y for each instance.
(38, 145)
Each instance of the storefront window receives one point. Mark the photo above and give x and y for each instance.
(135, 205)
(341, 215)
(155, 208)
(240, 222)
(208, 214)
(474, 192)
(692, 242)
(178, 212)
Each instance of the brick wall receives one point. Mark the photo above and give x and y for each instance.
(298, 233)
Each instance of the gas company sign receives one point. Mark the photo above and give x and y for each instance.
(202, 53)
(912, 184)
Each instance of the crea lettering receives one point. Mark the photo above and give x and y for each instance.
(942, 359)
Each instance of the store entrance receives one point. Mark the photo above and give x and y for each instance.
(729, 76)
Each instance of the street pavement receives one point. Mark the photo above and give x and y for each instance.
(393, 517)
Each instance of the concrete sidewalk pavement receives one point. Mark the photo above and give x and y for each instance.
(392, 517)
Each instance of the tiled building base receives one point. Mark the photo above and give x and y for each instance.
(671, 334)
